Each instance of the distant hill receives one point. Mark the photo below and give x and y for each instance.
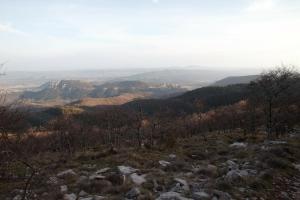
(65, 90)
(231, 80)
(74, 90)
(191, 78)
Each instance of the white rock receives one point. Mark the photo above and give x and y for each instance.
(97, 177)
(236, 175)
(82, 193)
(238, 145)
(101, 171)
(66, 173)
(297, 166)
(138, 180)
(172, 156)
(125, 170)
(164, 163)
(183, 184)
(63, 189)
(99, 197)
(86, 198)
(171, 196)
(201, 196)
(232, 165)
(70, 196)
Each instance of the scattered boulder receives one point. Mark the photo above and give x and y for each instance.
(101, 171)
(231, 165)
(67, 173)
(172, 156)
(171, 196)
(18, 197)
(164, 163)
(83, 182)
(201, 196)
(297, 166)
(86, 198)
(219, 195)
(96, 197)
(236, 176)
(238, 145)
(82, 193)
(125, 170)
(138, 180)
(63, 189)
(183, 184)
(133, 193)
(70, 196)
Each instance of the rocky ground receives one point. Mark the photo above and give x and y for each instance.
(223, 167)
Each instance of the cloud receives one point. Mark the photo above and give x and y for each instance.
(155, 1)
(261, 5)
(8, 28)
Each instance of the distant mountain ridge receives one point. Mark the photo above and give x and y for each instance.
(73, 90)
(190, 78)
(231, 80)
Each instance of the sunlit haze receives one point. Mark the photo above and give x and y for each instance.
(104, 34)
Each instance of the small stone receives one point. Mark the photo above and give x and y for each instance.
(297, 166)
(201, 196)
(66, 173)
(172, 156)
(133, 193)
(171, 196)
(164, 163)
(183, 184)
(96, 197)
(86, 198)
(238, 145)
(101, 171)
(70, 196)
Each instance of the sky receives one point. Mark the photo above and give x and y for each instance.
(104, 34)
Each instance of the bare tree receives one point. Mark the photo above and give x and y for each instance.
(271, 90)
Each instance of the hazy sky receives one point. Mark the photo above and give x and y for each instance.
(86, 34)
